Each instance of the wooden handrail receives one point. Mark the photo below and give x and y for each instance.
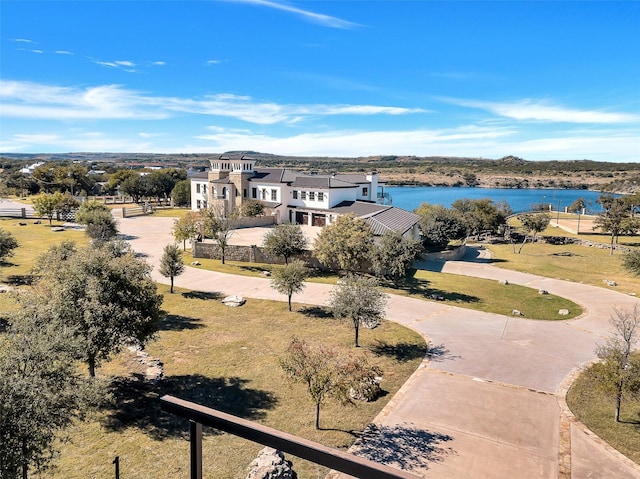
(288, 443)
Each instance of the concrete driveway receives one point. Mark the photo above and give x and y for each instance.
(486, 403)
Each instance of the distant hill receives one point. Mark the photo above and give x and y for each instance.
(506, 172)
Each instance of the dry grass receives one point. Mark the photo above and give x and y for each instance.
(227, 358)
(596, 411)
(33, 240)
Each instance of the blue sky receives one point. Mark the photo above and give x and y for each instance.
(541, 80)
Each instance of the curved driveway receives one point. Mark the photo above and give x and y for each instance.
(486, 398)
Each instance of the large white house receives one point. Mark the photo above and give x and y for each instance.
(296, 197)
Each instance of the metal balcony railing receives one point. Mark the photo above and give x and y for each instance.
(332, 458)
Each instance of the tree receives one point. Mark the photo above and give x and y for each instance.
(289, 279)
(393, 256)
(161, 182)
(105, 295)
(252, 208)
(344, 244)
(326, 372)
(100, 224)
(533, 223)
(356, 299)
(577, 206)
(286, 240)
(181, 193)
(440, 225)
(136, 186)
(171, 264)
(616, 218)
(618, 372)
(220, 226)
(631, 262)
(41, 392)
(483, 215)
(187, 227)
(45, 204)
(7, 244)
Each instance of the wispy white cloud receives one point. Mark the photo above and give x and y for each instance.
(125, 65)
(319, 18)
(538, 110)
(74, 141)
(37, 51)
(37, 101)
(63, 52)
(32, 100)
(159, 63)
(23, 40)
(212, 62)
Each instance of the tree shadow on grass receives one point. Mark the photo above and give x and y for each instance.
(21, 279)
(317, 312)
(401, 352)
(136, 403)
(403, 446)
(176, 322)
(256, 269)
(202, 295)
(420, 287)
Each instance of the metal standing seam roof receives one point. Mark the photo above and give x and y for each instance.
(392, 219)
(381, 218)
(317, 181)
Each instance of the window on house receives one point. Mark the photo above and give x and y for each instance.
(204, 189)
(199, 204)
(365, 191)
(320, 196)
(254, 193)
(303, 195)
(312, 196)
(274, 195)
(264, 194)
(204, 204)
(197, 187)
(295, 194)
(244, 193)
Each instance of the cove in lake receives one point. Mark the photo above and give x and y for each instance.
(410, 197)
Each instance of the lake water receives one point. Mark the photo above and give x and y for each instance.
(410, 197)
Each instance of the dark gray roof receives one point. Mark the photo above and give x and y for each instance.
(268, 175)
(358, 208)
(352, 178)
(270, 204)
(320, 181)
(198, 175)
(392, 219)
(381, 218)
(222, 181)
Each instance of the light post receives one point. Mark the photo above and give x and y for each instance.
(558, 215)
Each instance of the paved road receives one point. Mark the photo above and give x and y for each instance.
(485, 404)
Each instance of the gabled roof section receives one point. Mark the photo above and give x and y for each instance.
(381, 218)
(354, 178)
(392, 219)
(199, 175)
(320, 181)
(268, 175)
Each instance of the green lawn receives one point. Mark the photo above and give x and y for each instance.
(597, 413)
(227, 358)
(487, 295)
(577, 263)
(33, 240)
